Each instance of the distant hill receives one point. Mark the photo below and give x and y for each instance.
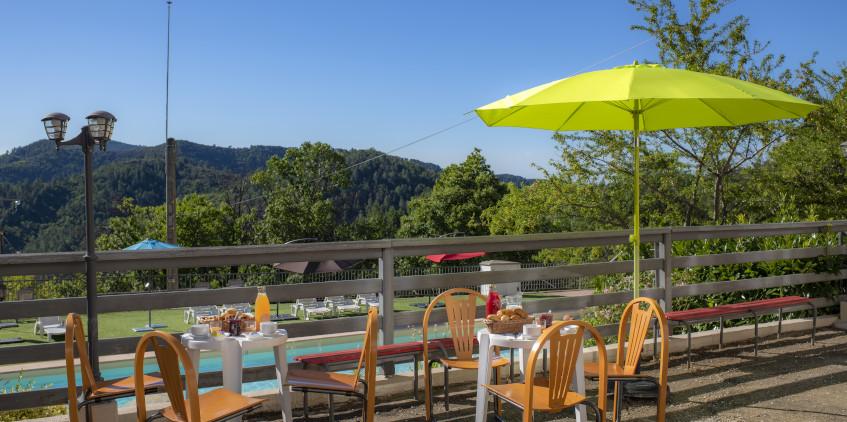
(41, 161)
(517, 180)
(50, 187)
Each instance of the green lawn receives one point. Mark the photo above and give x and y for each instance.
(120, 324)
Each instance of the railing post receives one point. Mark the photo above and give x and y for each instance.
(664, 250)
(386, 297)
(841, 324)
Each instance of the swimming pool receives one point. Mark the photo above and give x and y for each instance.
(211, 361)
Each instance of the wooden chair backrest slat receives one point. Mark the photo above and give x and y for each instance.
(461, 313)
(563, 356)
(564, 352)
(367, 359)
(639, 320)
(639, 324)
(460, 305)
(631, 342)
(75, 341)
(168, 361)
(169, 355)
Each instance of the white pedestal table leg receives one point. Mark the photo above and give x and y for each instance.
(231, 358)
(281, 361)
(579, 386)
(483, 376)
(194, 355)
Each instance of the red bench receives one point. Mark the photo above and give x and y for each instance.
(736, 310)
(389, 353)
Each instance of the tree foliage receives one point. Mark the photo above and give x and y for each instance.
(200, 221)
(299, 188)
(456, 203)
(50, 187)
(809, 170)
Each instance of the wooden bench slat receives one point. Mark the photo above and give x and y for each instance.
(736, 308)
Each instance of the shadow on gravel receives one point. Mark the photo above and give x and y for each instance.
(790, 380)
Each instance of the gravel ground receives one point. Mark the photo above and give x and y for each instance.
(789, 380)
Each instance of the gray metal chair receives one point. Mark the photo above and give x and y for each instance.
(50, 326)
(191, 314)
(340, 304)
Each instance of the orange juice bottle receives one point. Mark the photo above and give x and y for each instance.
(262, 307)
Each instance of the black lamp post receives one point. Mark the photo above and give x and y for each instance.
(97, 132)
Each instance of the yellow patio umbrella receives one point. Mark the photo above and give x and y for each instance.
(642, 97)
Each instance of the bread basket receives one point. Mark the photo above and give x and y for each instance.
(512, 326)
(508, 321)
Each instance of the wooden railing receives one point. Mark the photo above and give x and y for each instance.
(387, 283)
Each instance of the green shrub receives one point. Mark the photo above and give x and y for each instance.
(20, 386)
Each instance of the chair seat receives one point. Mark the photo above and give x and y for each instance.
(516, 394)
(122, 387)
(592, 370)
(321, 380)
(471, 363)
(217, 405)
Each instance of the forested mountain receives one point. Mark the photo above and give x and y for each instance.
(50, 187)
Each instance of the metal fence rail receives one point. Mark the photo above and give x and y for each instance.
(388, 282)
(73, 285)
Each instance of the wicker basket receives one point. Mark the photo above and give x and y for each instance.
(514, 326)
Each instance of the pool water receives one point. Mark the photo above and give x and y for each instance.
(211, 362)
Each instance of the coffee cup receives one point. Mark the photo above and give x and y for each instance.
(531, 330)
(268, 328)
(200, 330)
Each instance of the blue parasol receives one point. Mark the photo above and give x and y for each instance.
(150, 244)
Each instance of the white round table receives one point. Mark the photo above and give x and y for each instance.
(232, 355)
(488, 341)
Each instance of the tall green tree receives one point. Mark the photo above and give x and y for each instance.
(457, 201)
(809, 171)
(704, 42)
(372, 225)
(299, 189)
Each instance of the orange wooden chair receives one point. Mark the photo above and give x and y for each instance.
(552, 394)
(93, 391)
(187, 405)
(460, 305)
(333, 383)
(625, 366)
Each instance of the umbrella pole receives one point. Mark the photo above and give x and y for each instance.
(636, 218)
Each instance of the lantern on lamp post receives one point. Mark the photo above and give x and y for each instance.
(97, 132)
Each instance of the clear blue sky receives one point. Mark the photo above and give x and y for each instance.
(352, 74)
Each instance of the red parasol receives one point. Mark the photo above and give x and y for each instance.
(454, 256)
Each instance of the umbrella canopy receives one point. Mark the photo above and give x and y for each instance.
(313, 267)
(439, 258)
(148, 244)
(642, 97)
(652, 96)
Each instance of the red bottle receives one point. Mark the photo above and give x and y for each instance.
(492, 305)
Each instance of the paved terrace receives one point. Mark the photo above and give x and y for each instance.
(790, 380)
